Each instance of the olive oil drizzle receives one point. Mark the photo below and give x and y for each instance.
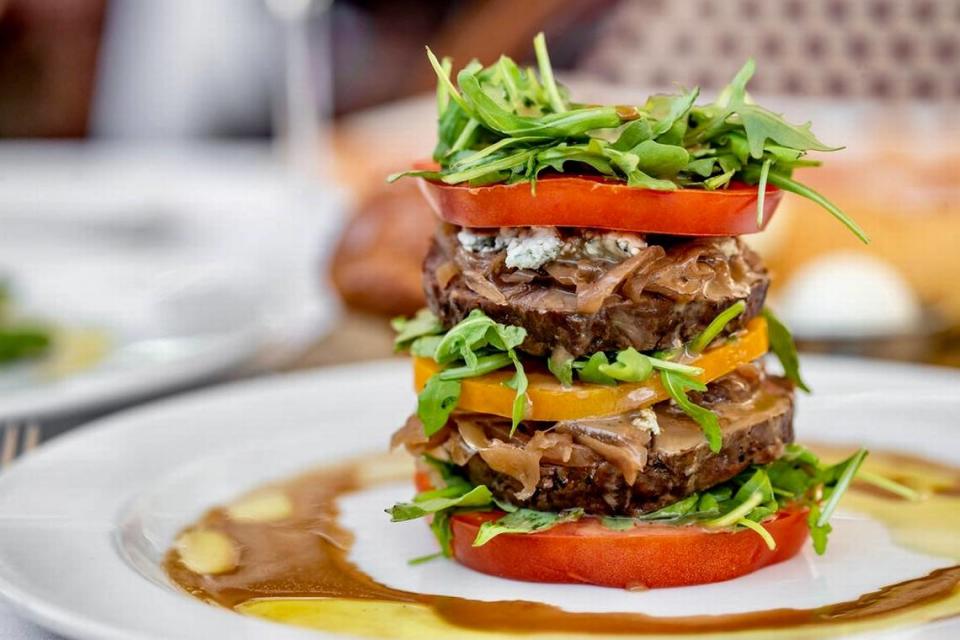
(305, 556)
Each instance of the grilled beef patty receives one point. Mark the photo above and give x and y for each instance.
(663, 295)
(620, 465)
(668, 477)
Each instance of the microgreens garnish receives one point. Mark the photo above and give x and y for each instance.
(502, 123)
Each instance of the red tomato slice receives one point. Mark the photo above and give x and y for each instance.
(647, 556)
(587, 201)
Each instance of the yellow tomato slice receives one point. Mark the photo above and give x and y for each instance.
(550, 400)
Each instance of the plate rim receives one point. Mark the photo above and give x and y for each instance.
(64, 620)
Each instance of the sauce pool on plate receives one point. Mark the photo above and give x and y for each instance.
(280, 553)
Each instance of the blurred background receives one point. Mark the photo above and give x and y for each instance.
(194, 191)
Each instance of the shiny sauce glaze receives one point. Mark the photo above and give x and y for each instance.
(291, 565)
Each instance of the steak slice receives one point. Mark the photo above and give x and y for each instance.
(678, 462)
(668, 300)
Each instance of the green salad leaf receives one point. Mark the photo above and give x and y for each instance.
(783, 346)
(424, 323)
(524, 521)
(677, 385)
(478, 345)
(797, 479)
(630, 366)
(590, 370)
(560, 364)
(475, 346)
(436, 402)
(431, 502)
(502, 123)
(716, 326)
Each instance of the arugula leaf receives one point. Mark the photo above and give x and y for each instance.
(430, 556)
(478, 496)
(473, 333)
(440, 504)
(660, 160)
(435, 402)
(788, 184)
(673, 511)
(630, 366)
(702, 167)
(844, 473)
(424, 323)
(745, 501)
(783, 346)
(519, 384)
(632, 135)
(762, 190)
(618, 523)
(482, 365)
(524, 521)
(443, 91)
(669, 365)
(481, 344)
(717, 325)
(443, 531)
(449, 92)
(741, 510)
(546, 72)
(759, 529)
(560, 364)
(759, 124)
(425, 346)
(722, 180)
(590, 371)
(503, 124)
(677, 107)
(677, 386)
(794, 452)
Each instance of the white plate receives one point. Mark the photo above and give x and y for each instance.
(85, 520)
(190, 260)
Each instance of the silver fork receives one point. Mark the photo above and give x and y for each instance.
(11, 445)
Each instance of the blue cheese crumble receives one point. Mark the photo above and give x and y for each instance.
(533, 247)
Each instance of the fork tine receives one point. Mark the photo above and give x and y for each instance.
(31, 438)
(8, 451)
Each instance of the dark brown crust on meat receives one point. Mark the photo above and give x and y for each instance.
(601, 489)
(653, 322)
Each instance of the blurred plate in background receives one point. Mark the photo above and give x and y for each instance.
(157, 266)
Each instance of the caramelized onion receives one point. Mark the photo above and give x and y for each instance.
(513, 459)
(590, 298)
(704, 268)
(411, 436)
(516, 462)
(565, 273)
(446, 272)
(615, 439)
(545, 299)
(518, 276)
(483, 287)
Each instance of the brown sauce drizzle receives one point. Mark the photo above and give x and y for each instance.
(305, 556)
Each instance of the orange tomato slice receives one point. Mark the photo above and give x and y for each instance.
(550, 400)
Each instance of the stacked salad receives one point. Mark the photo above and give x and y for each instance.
(594, 405)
